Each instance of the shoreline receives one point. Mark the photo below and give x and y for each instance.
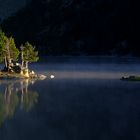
(8, 76)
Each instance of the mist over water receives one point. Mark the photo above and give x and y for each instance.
(85, 100)
(89, 67)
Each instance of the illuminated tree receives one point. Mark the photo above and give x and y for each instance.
(3, 40)
(8, 50)
(29, 54)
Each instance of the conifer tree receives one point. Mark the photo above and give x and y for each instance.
(29, 54)
(3, 39)
(8, 50)
(14, 52)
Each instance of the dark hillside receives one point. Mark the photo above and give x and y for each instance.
(76, 27)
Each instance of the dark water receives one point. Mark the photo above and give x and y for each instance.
(85, 101)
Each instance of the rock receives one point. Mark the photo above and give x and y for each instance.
(52, 76)
(42, 77)
(26, 73)
(32, 72)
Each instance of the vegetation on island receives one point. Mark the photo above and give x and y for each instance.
(131, 78)
(28, 54)
(10, 55)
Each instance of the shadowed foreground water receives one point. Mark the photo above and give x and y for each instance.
(84, 101)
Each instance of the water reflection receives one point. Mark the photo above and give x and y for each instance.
(14, 95)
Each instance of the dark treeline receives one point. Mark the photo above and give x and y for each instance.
(77, 27)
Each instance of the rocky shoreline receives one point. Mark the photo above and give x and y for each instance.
(7, 75)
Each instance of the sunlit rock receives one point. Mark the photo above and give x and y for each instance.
(42, 77)
(52, 76)
(26, 73)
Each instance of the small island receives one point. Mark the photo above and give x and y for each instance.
(131, 78)
(16, 60)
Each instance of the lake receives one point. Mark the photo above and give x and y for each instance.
(86, 100)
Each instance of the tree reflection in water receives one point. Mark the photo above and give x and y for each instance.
(15, 94)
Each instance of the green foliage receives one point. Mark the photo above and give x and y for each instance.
(14, 52)
(29, 53)
(3, 40)
(7, 48)
(9, 52)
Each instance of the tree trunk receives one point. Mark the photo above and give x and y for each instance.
(5, 61)
(8, 55)
(22, 61)
(9, 64)
(26, 64)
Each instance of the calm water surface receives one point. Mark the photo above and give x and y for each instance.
(85, 101)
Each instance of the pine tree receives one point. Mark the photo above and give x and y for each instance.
(3, 39)
(11, 52)
(14, 52)
(29, 54)
(8, 50)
